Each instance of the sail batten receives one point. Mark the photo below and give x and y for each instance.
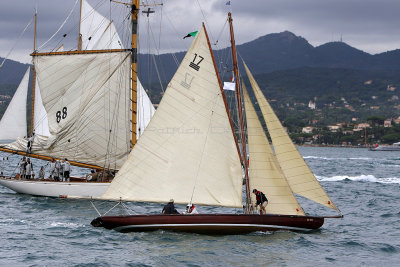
(299, 176)
(188, 151)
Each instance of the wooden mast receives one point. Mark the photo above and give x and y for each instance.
(80, 35)
(33, 80)
(135, 11)
(240, 114)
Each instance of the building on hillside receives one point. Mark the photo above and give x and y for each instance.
(334, 128)
(354, 119)
(307, 129)
(397, 121)
(374, 107)
(391, 88)
(387, 123)
(312, 105)
(368, 82)
(361, 127)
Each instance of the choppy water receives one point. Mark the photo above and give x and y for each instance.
(364, 184)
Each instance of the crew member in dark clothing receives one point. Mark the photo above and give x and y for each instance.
(170, 208)
(261, 200)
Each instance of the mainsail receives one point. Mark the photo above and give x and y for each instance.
(299, 176)
(87, 100)
(13, 122)
(82, 110)
(265, 172)
(98, 32)
(188, 151)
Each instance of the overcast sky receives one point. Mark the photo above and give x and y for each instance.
(370, 25)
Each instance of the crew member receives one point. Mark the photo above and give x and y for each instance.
(191, 209)
(52, 169)
(41, 173)
(57, 171)
(22, 166)
(29, 169)
(170, 208)
(261, 200)
(30, 143)
(67, 169)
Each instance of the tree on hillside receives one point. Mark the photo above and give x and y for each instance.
(376, 120)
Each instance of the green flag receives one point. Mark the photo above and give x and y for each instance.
(191, 34)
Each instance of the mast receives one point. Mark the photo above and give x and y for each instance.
(33, 80)
(240, 114)
(135, 11)
(80, 21)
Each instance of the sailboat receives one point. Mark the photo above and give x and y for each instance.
(200, 162)
(89, 108)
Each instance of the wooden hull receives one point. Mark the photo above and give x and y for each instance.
(209, 223)
(55, 189)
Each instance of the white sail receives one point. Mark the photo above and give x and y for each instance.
(40, 121)
(13, 122)
(87, 99)
(188, 151)
(264, 170)
(145, 110)
(97, 31)
(103, 35)
(298, 174)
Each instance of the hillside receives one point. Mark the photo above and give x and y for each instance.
(290, 71)
(339, 94)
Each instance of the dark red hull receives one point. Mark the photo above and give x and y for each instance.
(209, 223)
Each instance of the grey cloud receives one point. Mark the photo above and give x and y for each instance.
(369, 25)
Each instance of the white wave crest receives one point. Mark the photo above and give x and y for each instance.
(361, 178)
(63, 224)
(344, 158)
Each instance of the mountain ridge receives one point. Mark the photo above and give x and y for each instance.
(265, 54)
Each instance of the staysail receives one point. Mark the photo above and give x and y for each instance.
(299, 176)
(40, 121)
(188, 151)
(265, 172)
(13, 122)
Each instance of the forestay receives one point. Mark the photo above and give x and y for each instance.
(299, 176)
(13, 122)
(188, 151)
(265, 172)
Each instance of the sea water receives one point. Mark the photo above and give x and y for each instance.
(41, 231)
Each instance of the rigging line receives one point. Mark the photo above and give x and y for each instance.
(201, 9)
(154, 60)
(169, 44)
(16, 42)
(204, 146)
(62, 25)
(161, 17)
(158, 73)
